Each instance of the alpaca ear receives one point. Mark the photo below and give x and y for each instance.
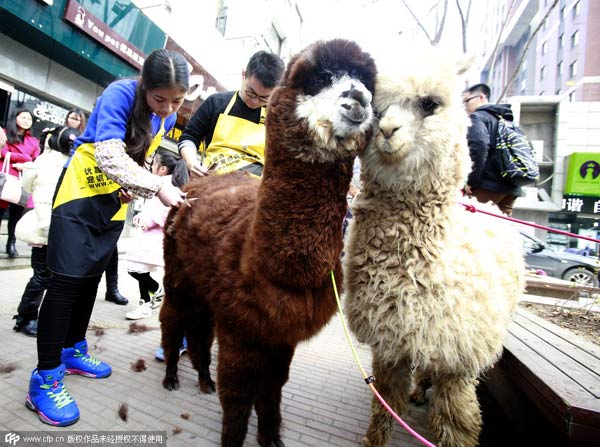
(466, 62)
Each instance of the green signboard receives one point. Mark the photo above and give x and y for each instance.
(583, 174)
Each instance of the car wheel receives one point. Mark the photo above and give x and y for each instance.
(581, 276)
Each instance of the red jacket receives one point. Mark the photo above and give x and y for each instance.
(28, 150)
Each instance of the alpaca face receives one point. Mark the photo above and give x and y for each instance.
(421, 135)
(333, 88)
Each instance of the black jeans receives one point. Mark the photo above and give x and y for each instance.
(15, 212)
(37, 285)
(64, 316)
(146, 284)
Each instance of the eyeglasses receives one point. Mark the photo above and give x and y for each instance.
(466, 100)
(252, 95)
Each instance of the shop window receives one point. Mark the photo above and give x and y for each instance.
(576, 9)
(45, 113)
(575, 39)
(573, 70)
(221, 21)
(273, 40)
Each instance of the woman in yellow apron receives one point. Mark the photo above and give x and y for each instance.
(89, 207)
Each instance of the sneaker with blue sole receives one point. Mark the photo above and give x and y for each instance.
(159, 354)
(77, 360)
(49, 397)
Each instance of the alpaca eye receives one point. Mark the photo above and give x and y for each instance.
(428, 106)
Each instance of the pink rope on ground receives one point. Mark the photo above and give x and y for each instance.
(473, 209)
(420, 438)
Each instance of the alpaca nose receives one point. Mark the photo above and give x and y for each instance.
(357, 95)
(355, 105)
(388, 130)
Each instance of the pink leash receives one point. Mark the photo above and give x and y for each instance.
(474, 209)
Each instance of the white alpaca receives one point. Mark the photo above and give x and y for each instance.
(429, 286)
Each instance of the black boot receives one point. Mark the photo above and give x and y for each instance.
(11, 249)
(112, 291)
(27, 327)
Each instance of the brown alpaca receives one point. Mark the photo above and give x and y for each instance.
(249, 260)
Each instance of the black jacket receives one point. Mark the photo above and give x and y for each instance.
(481, 137)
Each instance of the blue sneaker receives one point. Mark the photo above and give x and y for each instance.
(49, 397)
(159, 354)
(78, 361)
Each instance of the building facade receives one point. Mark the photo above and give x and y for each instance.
(552, 81)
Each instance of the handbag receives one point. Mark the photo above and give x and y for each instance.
(10, 186)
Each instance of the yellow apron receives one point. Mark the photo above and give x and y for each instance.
(236, 143)
(87, 215)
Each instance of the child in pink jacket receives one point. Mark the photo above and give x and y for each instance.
(146, 254)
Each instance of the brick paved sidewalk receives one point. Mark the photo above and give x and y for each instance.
(325, 402)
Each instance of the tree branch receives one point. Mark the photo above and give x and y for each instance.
(464, 19)
(418, 22)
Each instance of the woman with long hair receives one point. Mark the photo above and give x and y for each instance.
(75, 119)
(20, 147)
(108, 167)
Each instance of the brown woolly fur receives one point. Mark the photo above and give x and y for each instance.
(429, 286)
(249, 259)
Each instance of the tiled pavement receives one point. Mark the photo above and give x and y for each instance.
(325, 402)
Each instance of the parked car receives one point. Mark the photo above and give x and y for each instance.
(584, 270)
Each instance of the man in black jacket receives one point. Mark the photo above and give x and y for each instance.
(485, 182)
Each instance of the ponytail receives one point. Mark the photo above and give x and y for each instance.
(175, 165)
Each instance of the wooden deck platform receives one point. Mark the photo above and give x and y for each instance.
(558, 374)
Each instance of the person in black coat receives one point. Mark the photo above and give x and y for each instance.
(485, 182)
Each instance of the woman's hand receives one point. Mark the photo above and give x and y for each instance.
(139, 222)
(197, 170)
(125, 196)
(170, 195)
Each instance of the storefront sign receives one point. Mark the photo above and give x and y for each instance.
(100, 32)
(581, 204)
(583, 174)
(202, 85)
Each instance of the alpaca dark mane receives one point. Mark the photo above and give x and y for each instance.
(249, 260)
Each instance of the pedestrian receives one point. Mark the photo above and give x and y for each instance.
(126, 126)
(20, 147)
(146, 255)
(229, 127)
(485, 182)
(40, 178)
(76, 119)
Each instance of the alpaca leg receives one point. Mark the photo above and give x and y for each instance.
(454, 413)
(268, 398)
(393, 383)
(171, 341)
(240, 366)
(200, 336)
(172, 324)
(421, 383)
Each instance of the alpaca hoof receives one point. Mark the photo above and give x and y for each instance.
(207, 386)
(171, 383)
(265, 441)
(417, 397)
